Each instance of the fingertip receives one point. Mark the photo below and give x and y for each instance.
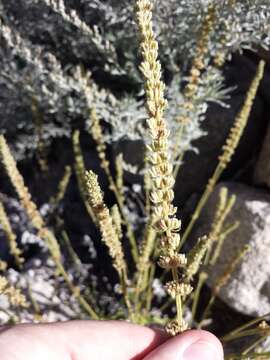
(202, 342)
(191, 345)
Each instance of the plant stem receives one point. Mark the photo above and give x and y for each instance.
(79, 172)
(130, 233)
(149, 295)
(177, 166)
(197, 293)
(245, 326)
(259, 356)
(209, 188)
(76, 291)
(124, 281)
(230, 146)
(179, 306)
(143, 262)
(254, 345)
(251, 332)
(207, 309)
(75, 258)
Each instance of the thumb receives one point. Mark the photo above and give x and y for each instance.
(191, 345)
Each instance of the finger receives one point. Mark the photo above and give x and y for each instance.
(110, 340)
(192, 345)
(80, 340)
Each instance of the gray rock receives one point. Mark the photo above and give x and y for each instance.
(262, 170)
(248, 290)
(47, 291)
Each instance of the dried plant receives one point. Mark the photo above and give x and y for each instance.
(164, 219)
(36, 219)
(142, 229)
(103, 35)
(12, 241)
(230, 146)
(15, 296)
(224, 278)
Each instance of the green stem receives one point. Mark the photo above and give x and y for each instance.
(120, 201)
(259, 356)
(80, 172)
(251, 332)
(209, 188)
(143, 262)
(179, 305)
(176, 156)
(33, 301)
(149, 295)
(124, 280)
(197, 293)
(177, 166)
(70, 249)
(76, 292)
(207, 310)
(245, 326)
(220, 243)
(147, 187)
(254, 345)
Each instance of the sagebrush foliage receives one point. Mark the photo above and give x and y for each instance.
(47, 37)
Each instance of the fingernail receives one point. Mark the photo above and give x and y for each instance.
(201, 350)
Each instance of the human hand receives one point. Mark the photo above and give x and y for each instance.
(98, 340)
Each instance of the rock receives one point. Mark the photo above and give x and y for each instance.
(262, 170)
(248, 290)
(53, 299)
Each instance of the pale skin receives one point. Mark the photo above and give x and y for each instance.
(98, 340)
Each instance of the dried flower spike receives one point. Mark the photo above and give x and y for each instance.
(175, 288)
(174, 328)
(37, 221)
(202, 49)
(241, 119)
(229, 147)
(13, 246)
(18, 183)
(195, 257)
(162, 194)
(15, 297)
(80, 172)
(96, 132)
(108, 229)
(229, 269)
(3, 266)
(172, 261)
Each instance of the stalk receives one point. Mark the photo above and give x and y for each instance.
(229, 148)
(163, 217)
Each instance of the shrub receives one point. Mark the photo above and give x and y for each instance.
(57, 95)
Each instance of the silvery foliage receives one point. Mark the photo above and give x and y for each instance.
(44, 41)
